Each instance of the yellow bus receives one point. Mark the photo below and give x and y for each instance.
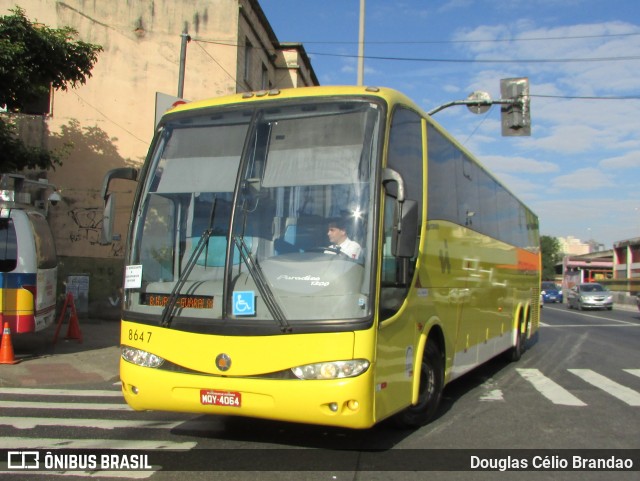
(322, 255)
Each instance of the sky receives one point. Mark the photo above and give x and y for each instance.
(579, 171)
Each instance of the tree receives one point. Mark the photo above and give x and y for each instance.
(34, 59)
(551, 255)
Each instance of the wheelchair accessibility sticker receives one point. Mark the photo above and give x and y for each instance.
(244, 303)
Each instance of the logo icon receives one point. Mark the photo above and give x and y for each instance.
(244, 303)
(223, 362)
(23, 460)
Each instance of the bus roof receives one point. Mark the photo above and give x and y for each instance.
(388, 94)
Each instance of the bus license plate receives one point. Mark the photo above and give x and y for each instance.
(220, 398)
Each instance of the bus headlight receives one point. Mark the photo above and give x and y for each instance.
(331, 370)
(140, 357)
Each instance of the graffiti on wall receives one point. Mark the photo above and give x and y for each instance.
(88, 226)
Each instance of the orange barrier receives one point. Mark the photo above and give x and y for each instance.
(6, 349)
(73, 331)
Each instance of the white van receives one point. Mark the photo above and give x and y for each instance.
(28, 269)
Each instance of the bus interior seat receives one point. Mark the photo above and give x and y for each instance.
(214, 254)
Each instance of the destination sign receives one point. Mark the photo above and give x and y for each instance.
(183, 301)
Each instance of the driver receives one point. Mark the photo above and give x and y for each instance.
(340, 241)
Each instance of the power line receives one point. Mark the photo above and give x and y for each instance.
(573, 97)
(197, 42)
(494, 40)
(449, 60)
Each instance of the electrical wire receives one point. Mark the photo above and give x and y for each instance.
(493, 40)
(573, 97)
(449, 60)
(198, 43)
(475, 60)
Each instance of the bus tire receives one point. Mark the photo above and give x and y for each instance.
(430, 391)
(515, 353)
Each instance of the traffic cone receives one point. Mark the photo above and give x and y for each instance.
(6, 349)
(73, 331)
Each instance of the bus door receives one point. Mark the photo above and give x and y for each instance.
(398, 336)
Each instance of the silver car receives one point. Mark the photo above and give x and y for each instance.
(589, 296)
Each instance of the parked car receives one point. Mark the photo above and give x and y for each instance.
(589, 296)
(551, 292)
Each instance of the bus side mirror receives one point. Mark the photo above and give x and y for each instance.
(405, 229)
(126, 173)
(405, 218)
(106, 235)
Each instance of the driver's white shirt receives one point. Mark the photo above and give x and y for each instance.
(350, 248)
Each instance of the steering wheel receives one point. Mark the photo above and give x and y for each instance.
(330, 250)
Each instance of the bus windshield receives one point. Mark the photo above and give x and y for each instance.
(258, 214)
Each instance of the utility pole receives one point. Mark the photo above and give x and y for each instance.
(183, 60)
(361, 45)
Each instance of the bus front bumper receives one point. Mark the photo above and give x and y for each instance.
(339, 402)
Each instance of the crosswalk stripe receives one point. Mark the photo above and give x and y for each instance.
(549, 389)
(49, 405)
(61, 392)
(625, 394)
(7, 442)
(30, 423)
(635, 372)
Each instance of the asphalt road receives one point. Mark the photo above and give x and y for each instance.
(576, 388)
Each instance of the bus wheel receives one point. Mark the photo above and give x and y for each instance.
(515, 353)
(430, 391)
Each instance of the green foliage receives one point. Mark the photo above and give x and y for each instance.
(551, 255)
(16, 156)
(33, 59)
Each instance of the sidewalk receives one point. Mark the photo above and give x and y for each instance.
(42, 363)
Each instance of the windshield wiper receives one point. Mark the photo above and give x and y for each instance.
(263, 286)
(167, 312)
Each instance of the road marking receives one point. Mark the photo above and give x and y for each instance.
(96, 442)
(48, 405)
(602, 318)
(30, 423)
(61, 392)
(491, 391)
(7, 442)
(635, 372)
(630, 324)
(493, 395)
(549, 389)
(625, 394)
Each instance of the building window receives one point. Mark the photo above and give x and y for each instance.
(38, 105)
(264, 81)
(248, 54)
